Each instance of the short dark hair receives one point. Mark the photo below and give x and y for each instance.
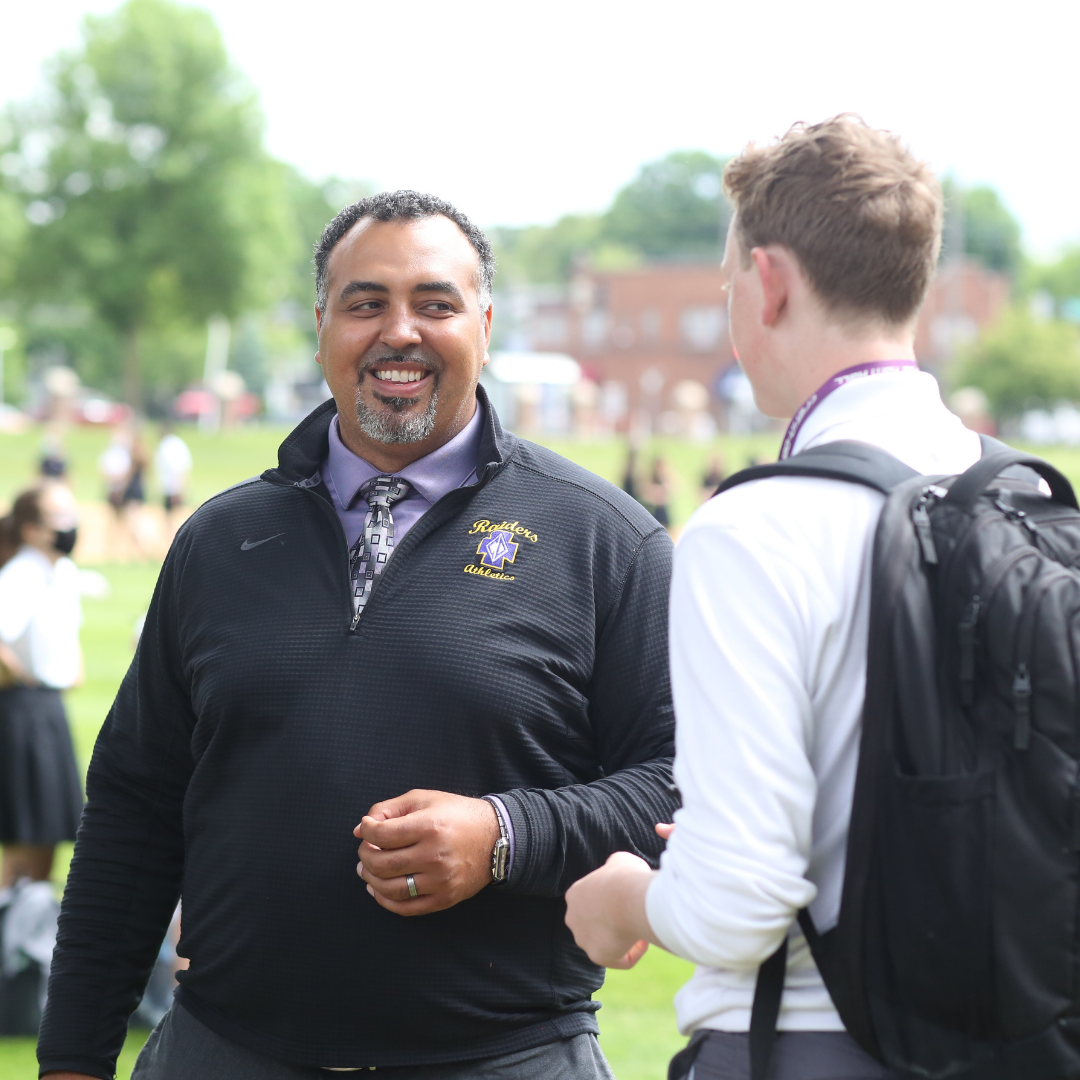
(861, 214)
(402, 205)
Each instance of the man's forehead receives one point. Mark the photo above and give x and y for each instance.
(405, 246)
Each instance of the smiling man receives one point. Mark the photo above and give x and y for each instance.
(417, 632)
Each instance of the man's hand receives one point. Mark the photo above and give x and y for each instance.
(445, 841)
(605, 911)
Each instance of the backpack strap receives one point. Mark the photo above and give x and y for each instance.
(855, 462)
(997, 457)
(768, 992)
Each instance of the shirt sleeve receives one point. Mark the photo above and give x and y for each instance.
(562, 834)
(125, 875)
(16, 608)
(732, 876)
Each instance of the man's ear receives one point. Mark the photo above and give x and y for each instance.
(774, 285)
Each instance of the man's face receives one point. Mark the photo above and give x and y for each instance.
(403, 339)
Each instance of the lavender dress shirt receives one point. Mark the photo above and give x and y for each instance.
(451, 466)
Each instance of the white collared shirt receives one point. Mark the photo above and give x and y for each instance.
(40, 616)
(770, 610)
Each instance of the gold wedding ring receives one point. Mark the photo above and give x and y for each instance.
(411, 882)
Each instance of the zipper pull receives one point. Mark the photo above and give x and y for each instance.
(920, 516)
(1021, 693)
(968, 625)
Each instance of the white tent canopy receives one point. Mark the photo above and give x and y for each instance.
(537, 368)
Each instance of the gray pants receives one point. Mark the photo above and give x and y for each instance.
(797, 1055)
(181, 1048)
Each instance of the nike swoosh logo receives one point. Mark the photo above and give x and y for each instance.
(247, 545)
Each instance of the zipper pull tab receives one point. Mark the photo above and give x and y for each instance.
(968, 626)
(920, 516)
(1021, 693)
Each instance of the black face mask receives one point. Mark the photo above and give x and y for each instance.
(64, 542)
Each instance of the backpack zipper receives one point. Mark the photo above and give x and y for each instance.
(1021, 695)
(968, 625)
(1038, 537)
(967, 629)
(1022, 683)
(920, 516)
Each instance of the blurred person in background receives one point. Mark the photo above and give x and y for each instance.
(658, 491)
(713, 478)
(53, 463)
(172, 464)
(115, 468)
(630, 478)
(40, 616)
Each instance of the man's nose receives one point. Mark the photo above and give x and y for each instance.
(400, 328)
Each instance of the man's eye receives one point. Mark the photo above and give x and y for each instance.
(438, 305)
(368, 305)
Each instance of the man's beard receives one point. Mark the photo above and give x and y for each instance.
(392, 424)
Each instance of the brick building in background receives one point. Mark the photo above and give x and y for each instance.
(649, 336)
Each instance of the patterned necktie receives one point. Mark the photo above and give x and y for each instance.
(375, 544)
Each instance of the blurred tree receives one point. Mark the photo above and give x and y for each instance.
(991, 235)
(12, 230)
(1021, 361)
(144, 181)
(1061, 280)
(544, 254)
(673, 208)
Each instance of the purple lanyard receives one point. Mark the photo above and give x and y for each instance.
(841, 378)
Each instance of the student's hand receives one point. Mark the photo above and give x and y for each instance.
(444, 841)
(605, 911)
(664, 830)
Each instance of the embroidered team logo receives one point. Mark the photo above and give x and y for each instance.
(497, 550)
(498, 547)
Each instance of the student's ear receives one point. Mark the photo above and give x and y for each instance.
(774, 286)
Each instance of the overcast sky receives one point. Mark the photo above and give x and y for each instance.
(520, 112)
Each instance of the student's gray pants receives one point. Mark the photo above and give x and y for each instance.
(181, 1048)
(796, 1055)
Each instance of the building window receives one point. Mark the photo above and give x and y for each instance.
(650, 325)
(622, 337)
(702, 326)
(551, 330)
(594, 329)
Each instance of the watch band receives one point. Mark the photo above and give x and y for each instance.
(500, 854)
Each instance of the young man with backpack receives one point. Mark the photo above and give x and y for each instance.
(917, 822)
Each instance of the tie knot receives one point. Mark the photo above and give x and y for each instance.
(383, 491)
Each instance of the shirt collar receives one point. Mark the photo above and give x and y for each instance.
(450, 466)
(906, 390)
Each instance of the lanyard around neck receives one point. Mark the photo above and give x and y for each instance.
(841, 378)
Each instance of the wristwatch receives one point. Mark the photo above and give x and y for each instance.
(500, 854)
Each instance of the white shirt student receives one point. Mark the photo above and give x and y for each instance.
(828, 258)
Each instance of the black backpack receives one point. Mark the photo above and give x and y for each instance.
(957, 951)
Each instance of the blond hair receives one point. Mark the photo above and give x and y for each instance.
(861, 214)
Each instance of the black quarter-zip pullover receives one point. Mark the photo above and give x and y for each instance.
(255, 728)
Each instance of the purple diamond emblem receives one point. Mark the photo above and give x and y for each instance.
(497, 549)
